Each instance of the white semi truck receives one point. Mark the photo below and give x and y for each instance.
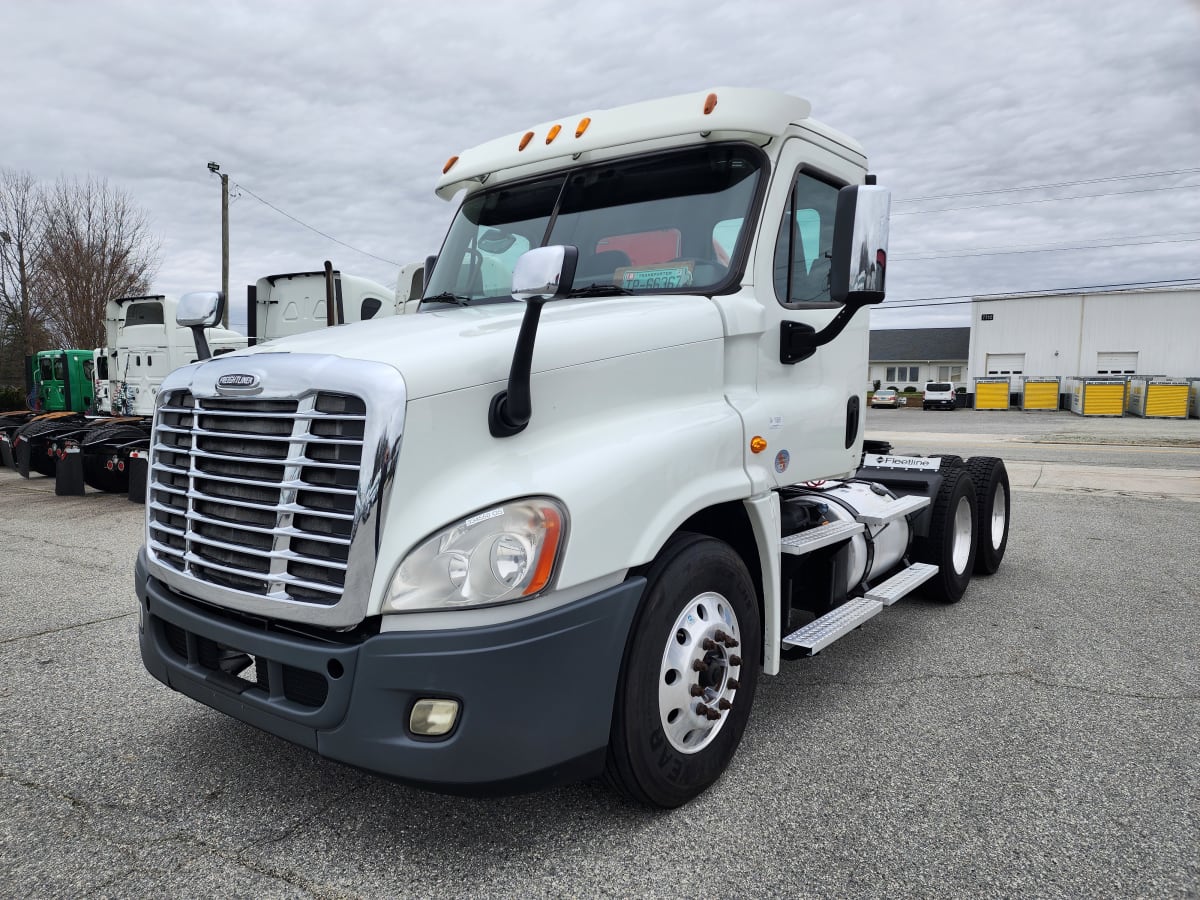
(557, 523)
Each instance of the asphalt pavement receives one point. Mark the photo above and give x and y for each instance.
(1036, 739)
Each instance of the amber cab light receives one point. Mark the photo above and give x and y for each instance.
(710, 103)
(758, 444)
(449, 164)
(525, 140)
(582, 126)
(553, 133)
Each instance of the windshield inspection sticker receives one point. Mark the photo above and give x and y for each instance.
(928, 464)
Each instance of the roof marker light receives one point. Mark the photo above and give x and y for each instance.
(449, 164)
(525, 140)
(710, 103)
(553, 133)
(582, 126)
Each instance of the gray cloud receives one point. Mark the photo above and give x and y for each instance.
(342, 115)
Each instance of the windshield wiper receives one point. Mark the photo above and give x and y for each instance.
(446, 297)
(599, 290)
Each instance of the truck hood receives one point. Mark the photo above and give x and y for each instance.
(463, 347)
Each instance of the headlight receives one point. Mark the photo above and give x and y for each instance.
(501, 554)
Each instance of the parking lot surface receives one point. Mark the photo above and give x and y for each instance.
(1036, 739)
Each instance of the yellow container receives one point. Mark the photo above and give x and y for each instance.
(1162, 398)
(1097, 396)
(1040, 393)
(991, 393)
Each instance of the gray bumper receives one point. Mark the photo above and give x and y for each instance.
(536, 694)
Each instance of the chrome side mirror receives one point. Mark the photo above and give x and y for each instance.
(860, 239)
(203, 308)
(544, 273)
(198, 311)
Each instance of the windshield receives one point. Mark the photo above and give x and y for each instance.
(671, 221)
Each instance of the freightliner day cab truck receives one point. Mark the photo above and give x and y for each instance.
(557, 523)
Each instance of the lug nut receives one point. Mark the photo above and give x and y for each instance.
(732, 684)
(735, 660)
(699, 665)
(709, 644)
(711, 713)
(724, 704)
(696, 691)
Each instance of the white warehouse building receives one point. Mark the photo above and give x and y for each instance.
(1116, 333)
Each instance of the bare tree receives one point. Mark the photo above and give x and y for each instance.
(97, 246)
(21, 230)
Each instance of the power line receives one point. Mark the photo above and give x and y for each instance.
(921, 212)
(1132, 241)
(959, 299)
(1049, 186)
(315, 230)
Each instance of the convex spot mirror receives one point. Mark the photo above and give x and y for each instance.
(544, 273)
(860, 239)
(203, 308)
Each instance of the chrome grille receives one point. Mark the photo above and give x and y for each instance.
(258, 495)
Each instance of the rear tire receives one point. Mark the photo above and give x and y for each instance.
(992, 495)
(950, 544)
(949, 459)
(664, 747)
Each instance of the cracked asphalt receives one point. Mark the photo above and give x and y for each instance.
(1037, 739)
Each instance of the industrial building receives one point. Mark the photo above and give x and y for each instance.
(1114, 334)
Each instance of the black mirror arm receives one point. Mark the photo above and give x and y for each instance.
(202, 351)
(512, 408)
(798, 341)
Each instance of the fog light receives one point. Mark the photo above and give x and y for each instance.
(433, 718)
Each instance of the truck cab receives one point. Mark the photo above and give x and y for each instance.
(557, 523)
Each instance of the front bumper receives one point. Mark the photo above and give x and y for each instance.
(536, 695)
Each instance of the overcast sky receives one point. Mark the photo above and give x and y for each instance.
(341, 115)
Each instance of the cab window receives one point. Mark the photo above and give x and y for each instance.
(805, 241)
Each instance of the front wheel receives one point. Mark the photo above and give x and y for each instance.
(689, 674)
(992, 495)
(950, 543)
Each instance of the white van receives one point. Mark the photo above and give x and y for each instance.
(939, 395)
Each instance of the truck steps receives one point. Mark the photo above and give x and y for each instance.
(837, 623)
(901, 506)
(820, 633)
(822, 536)
(905, 582)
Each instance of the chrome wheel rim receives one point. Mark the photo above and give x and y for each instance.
(961, 551)
(697, 681)
(999, 516)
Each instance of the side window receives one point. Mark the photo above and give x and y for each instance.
(805, 241)
(370, 306)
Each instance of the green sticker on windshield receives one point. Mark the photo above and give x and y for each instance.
(649, 277)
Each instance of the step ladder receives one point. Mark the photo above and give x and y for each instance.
(901, 506)
(821, 536)
(837, 623)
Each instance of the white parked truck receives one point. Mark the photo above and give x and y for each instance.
(143, 344)
(557, 523)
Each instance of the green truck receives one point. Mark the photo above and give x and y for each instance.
(63, 391)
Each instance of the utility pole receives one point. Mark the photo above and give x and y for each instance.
(216, 170)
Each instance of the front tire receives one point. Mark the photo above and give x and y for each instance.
(992, 495)
(689, 674)
(950, 543)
